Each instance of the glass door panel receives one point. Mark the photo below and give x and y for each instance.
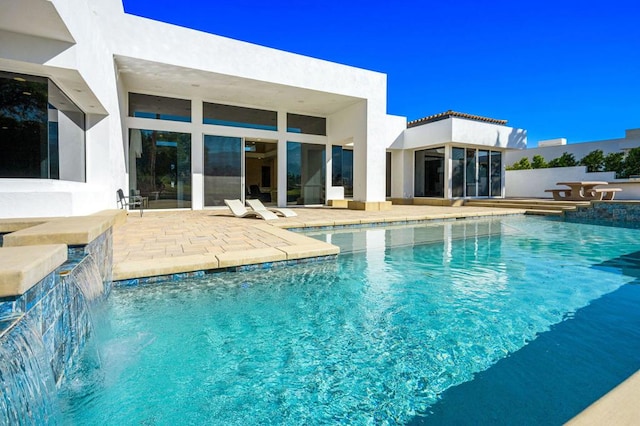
(457, 175)
(483, 173)
(222, 169)
(305, 173)
(160, 168)
(470, 175)
(496, 174)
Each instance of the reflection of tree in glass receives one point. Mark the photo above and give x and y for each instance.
(22, 102)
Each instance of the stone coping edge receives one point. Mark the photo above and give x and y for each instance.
(23, 267)
(73, 230)
(378, 222)
(618, 407)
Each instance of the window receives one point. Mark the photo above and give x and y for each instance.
(222, 169)
(160, 167)
(342, 169)
(306, 124)
(42, 132)
(235, 116)
(305, 173)
(159, 107)
(429, 173)
(457, 172)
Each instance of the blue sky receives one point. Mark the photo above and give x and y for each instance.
(556, 68)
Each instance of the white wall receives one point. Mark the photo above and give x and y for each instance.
(533, 182)
(487, 134)
(49, 198)
(579, 150)
(468, 132)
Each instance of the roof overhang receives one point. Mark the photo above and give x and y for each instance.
(34, 17)
(162, 79)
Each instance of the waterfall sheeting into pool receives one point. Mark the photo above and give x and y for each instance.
(26, 378)
(41, 346)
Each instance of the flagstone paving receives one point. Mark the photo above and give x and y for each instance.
(169, 242)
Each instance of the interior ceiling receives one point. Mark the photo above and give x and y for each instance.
(169, 80)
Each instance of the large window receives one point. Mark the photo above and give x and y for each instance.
(429, 173)
(42, 132)
(457, 172)
(476, 172)
(496, 174)
(160, 167)
(159, 107)
(305, 173)
(342, 169)
(235, 116)
(222, 169)
(306, 124)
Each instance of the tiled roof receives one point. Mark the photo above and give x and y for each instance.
(449, 114)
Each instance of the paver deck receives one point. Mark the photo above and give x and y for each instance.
(167, 242)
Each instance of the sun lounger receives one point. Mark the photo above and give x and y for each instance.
(239, 210)
(257, 205)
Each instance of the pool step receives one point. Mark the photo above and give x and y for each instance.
(531, 206)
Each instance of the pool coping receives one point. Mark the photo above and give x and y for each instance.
(301, 247)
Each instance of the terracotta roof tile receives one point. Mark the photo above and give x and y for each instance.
(450, 114)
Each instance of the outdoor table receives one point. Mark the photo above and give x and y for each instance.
(581, 190)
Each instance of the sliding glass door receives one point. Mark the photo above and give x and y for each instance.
(476, 173)
(305, 173)
(222, 169)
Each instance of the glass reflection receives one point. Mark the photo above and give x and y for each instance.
(160, 168)
(305, 173)
(222, 169)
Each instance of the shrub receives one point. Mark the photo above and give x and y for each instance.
(632, 163)
(614, 162)
(523, 164)
(565, 160)
(594, 161)
(538, 162)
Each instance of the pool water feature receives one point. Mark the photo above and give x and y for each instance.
(386, 334)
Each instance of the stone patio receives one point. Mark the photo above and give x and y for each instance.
(169, 242)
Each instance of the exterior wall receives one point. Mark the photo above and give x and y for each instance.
(533, 182)
(487, 134)
(579, 150)
(463, 131)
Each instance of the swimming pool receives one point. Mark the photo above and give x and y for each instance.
(510, 320)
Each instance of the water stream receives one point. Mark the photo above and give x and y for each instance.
(37, 352)
(26, 378)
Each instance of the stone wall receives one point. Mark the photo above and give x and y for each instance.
(623, 213)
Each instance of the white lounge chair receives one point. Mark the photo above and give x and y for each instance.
(239, 210)
(257, 206)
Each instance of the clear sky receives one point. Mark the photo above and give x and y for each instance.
(556, 68)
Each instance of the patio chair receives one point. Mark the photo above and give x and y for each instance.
(130, 202)
(257, 205)
(239, 210)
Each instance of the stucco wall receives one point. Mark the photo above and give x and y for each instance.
(579, 150)
(465, 132)
(533, 182)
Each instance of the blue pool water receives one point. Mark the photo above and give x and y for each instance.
(504, 321)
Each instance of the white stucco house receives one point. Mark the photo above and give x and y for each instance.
(93, 99)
